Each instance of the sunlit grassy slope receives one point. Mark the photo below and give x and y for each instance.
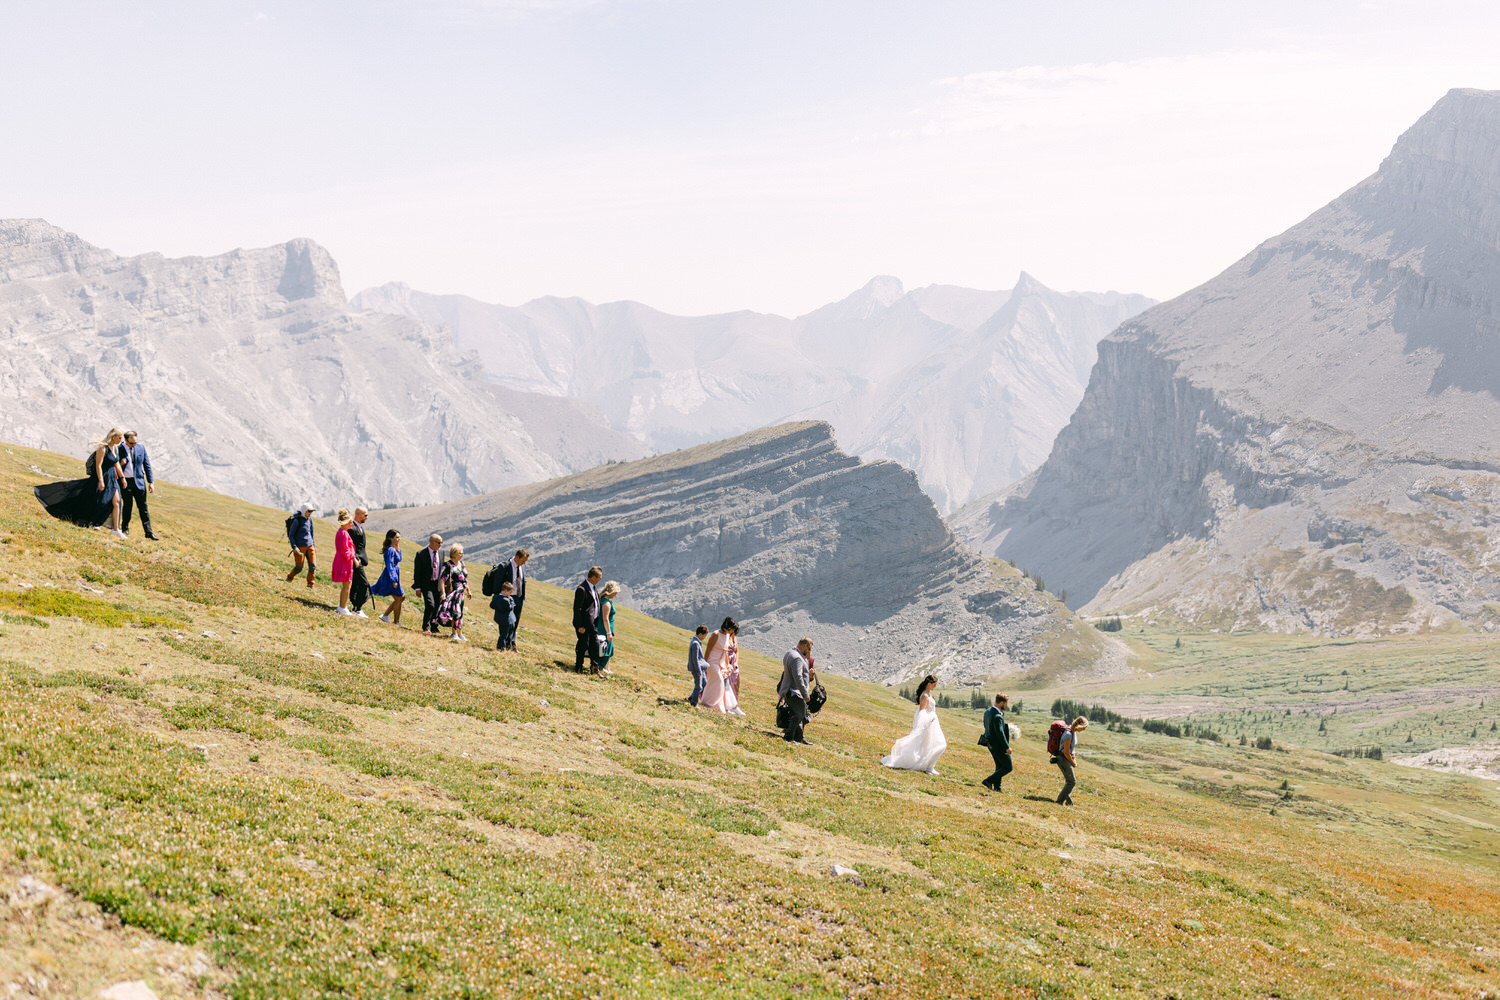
(340, 808)
(1403, 695)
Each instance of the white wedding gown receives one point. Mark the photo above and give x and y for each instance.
(919, 749)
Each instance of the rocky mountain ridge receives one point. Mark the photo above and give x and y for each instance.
(250, 374)
(787, 533)
(1306, 440)
(965, 387)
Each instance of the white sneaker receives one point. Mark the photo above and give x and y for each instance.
(932, 771)
(342, 611)
(385, 619)
(119, 534)
(360, 614)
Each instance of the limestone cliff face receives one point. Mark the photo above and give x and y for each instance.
(782, 530)
(1308, 439)
(249, 373)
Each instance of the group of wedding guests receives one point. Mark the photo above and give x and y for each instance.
(920, 749)
(117, 478)
(714, 662)
(713, 657)
(440, 577)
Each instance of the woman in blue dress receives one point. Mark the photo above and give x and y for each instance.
(388, 584)
(95, 499)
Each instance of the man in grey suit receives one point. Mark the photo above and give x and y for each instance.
(138, 482)
(794, 690)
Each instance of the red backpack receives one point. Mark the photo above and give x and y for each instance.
(1055, 735)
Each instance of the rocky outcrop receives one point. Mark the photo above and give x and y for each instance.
(787, 533)
(1306, 441)
(965, 387)
(248, 373)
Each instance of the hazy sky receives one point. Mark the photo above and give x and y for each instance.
(704, 155)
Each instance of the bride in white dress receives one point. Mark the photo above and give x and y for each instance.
(920, 749)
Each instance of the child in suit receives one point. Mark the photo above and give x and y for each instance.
(504, 605)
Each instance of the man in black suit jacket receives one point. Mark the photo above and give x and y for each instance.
(997, 736)
(585, 613)
(429, 564)
(513, 572)
(359, 589)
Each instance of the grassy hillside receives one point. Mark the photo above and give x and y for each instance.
(244, 794)
(1403, 695)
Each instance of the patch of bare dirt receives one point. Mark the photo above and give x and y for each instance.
(1479, 760)
(55, 945)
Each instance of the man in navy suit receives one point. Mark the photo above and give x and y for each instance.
(514, 573)
(138, 482)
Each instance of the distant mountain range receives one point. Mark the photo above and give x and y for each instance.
(782, 530)
(1309, 440)
(965, 387)
(249, 373)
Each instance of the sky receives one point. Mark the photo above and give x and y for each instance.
(706, 156)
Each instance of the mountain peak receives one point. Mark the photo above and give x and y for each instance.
(1027, 285)
(310, 272)
(1446, 167)
(34, 248)
(883, 289)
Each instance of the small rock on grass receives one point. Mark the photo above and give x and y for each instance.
(839, 871)
(134, 990)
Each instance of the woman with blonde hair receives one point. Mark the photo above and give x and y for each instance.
(343, 561)
(95, 499)
(455, 581)
(605, 625)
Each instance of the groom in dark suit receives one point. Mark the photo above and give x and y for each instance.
(997, 736)
(585, 614)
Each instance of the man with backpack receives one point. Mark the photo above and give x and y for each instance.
(513, 572)
(997, 738)
(1062, 743)
(299, 535)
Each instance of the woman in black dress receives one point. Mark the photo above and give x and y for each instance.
(95, 499)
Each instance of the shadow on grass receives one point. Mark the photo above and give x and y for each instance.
(1039, 798)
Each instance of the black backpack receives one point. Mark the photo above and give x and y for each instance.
(490, 582)
(289, 520)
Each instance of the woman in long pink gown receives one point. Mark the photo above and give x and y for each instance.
(720, 692)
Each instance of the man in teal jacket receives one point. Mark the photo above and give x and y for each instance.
(997, 736)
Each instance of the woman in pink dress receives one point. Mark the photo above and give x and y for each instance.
(343, 561)
(719, 693)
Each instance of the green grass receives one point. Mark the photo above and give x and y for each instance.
(357, 810)
(1404, 695)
